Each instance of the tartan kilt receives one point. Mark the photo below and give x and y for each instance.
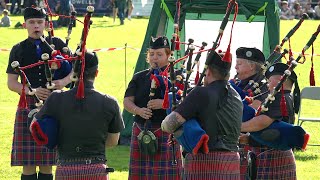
(243, 160)
(82, 172)
(275, 164)
(220, 165)
(157, 167)
(25, 151)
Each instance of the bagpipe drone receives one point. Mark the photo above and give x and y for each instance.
(281, 135)
(57, 66)
(191, 135)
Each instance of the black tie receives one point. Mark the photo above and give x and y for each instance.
(39, 51)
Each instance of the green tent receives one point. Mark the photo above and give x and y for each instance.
(161, 23)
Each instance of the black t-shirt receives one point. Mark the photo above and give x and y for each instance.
(218, 108)
(139, 87)
(83, 125)
(25, 53)
(274, 109)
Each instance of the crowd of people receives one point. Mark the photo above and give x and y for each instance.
(120, 8)
(294, 9)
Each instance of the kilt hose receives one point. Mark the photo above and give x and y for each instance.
(157, 167)
(82, 172)
(275, 164)
(25, 151)
(220, 165)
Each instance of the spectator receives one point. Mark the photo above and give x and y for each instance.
(5, 21)
(13, 5)
(63, 8)
(130, 8)
(29, 3)
(317, 11)
(285, 11)
(304, 2)
(297, 10)
(121, 4)
(2, 5)
(309, 10)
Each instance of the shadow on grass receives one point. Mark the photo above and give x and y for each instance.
(301, 156)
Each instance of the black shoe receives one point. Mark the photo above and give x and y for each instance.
(29, 177)
(121, 22)
(44, 176)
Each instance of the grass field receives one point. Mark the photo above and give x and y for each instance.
(111, 80)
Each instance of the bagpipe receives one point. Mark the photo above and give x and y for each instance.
(301, 55)
(148, 142)
(191, 135)
(254, 87)
(272, 58)
(279, 135)
(57, 66)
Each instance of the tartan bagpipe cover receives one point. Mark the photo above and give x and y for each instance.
(279, 135)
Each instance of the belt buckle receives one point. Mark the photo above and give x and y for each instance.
(88, 161)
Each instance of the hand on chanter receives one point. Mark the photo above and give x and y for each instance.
(244, 138)
(42, 93)
(145, 113)
(155, 104)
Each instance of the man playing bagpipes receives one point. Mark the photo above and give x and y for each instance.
(85, 127)
(24, 150)
(271, 163)
(218, 109)
(150, 154)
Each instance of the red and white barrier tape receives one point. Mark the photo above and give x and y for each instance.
(113, 49)
(137, 49)
(95, 50)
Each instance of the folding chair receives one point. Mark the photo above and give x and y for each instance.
(312, 93)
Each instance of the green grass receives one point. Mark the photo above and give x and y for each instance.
(111, 80)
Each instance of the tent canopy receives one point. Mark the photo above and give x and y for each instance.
(161, 23)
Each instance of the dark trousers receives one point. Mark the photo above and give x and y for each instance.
(13, 5)
(121, 6)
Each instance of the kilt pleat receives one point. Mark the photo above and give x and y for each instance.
(25, 151)
(275, 164)
(82, 172)
(215, 165)
(157, 167)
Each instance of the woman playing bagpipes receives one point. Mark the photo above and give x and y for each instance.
(248, 67)
(271, 163)
(24, 150)
(150, 155)
(218, 109)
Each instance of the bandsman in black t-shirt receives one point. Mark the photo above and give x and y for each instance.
(270, 163)
(218, 109)
(86, 127)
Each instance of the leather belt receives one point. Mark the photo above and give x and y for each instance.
(87, 161)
